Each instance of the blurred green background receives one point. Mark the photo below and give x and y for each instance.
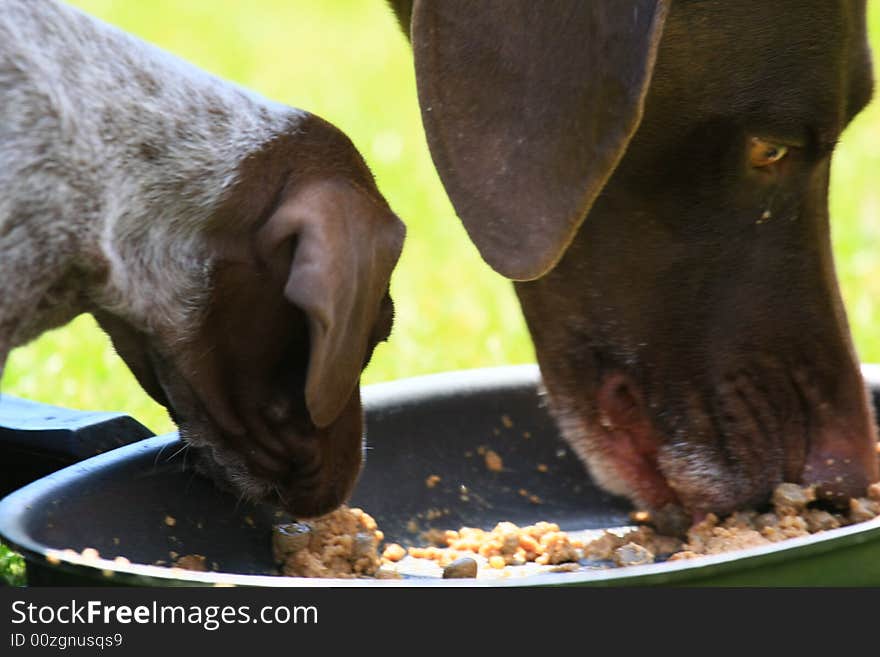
(347, 61)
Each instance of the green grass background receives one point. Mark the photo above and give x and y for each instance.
(347, 61)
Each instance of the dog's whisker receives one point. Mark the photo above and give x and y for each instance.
(159, 455)
(242, 495)
(182, 450)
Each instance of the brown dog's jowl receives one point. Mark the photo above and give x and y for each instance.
(654, 177)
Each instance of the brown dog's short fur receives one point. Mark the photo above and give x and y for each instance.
(653, 174)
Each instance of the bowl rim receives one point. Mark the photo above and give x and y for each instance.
(377, 396)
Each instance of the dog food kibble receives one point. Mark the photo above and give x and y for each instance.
(606, 547)
(633, 554)
(792, 516)
(493, 461)
(791, 499)
(505, 545)
(463, 567)
(346, 542)
(497, 562)
(90, 553)
(191, 562)
(819, 520)
(341, 544)
(862, 508)
(289, 538)
(393, 552)
(640, 516)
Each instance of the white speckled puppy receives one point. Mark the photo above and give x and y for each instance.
(237, 251)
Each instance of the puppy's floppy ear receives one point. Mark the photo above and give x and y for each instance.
(346, 243)
(528, 107)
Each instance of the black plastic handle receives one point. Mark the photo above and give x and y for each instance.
(37, 439)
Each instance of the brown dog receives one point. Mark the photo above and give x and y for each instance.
(236, 250)
(654, 176)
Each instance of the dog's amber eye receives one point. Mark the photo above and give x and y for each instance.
(763, 153)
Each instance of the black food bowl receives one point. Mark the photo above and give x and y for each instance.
(425, 469)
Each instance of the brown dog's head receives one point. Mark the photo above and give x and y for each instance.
(654, 175)
(264, 383)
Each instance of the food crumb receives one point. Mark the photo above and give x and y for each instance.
(640, 517)
(863, 508)
(792, 517)
(194, 562)
(506, 544)
(432, 480)
(345, 543)
(170, 521)
(461, 568)
(393, 552)
(569, 567)
(341, 544)
(792, 499)
(493, 461)
(632, 554)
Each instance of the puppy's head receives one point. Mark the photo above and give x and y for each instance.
(264, 382)
(654, 175)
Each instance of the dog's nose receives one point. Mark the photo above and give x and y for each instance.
(313, 499)
(841, 465)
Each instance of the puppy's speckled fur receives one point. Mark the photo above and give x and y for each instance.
(113, 155)
(237, 250)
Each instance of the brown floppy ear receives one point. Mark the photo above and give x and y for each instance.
(347, 242)
(528, 107)
(403, 12)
